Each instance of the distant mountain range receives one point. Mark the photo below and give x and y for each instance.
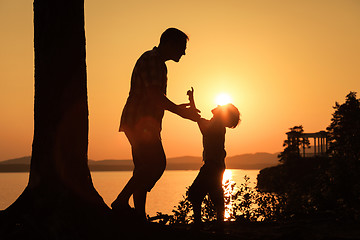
(243, 161)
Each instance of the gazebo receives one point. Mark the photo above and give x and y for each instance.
(319, 139)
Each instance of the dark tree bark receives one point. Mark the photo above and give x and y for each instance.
(59, 173)
(59, 153)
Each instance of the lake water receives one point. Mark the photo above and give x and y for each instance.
(166, 194)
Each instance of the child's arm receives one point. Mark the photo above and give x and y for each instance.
(190, 93)
(202, 122)
(203, 125)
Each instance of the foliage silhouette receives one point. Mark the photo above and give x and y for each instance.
(293, 145)
(322, 185)
(344, 130)
(344, 136)
(242, 203)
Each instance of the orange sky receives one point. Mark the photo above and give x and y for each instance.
(284, 63)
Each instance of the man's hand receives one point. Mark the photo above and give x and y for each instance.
(188, 112)
(183, 110)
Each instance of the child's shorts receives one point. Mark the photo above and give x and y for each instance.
(209, 180)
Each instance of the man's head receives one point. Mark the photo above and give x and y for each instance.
(173, 44)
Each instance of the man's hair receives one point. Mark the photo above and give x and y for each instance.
(232, 115)
(173, 35)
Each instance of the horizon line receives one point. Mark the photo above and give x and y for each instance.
(125, 159)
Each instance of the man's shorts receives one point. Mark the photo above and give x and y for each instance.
(148, 156)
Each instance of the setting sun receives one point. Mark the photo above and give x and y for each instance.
(223, 99)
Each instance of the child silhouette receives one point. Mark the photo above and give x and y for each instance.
(209, 179)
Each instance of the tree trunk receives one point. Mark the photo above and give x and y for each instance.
(59, 173)
(59, 153)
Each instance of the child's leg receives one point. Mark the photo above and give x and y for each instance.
(196, 197)
(197, 192)
(217, 197)
(197, 211)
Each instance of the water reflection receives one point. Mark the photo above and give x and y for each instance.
(228, 189)
(227, 176)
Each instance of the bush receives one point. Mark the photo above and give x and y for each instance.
(242, 203)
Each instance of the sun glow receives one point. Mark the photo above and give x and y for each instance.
(223, 99)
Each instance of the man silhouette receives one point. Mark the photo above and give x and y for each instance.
(142, 117)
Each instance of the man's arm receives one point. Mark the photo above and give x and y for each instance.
(151, 73)
(182, 110)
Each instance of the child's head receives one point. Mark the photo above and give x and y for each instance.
(228, 114)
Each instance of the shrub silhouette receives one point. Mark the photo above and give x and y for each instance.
(242, 203)
(322, 185)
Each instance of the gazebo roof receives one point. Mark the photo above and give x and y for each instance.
(321, 134)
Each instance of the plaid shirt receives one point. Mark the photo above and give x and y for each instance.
(140, 109)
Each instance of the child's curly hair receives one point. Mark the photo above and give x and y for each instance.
(232, 115)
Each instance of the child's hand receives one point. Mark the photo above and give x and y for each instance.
(188, 110)
(190, 93)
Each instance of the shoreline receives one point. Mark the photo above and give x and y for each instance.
(26, 169)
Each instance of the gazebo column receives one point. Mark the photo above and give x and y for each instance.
(326, 144)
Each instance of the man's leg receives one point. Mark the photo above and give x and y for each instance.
(122, 201)
(151, 163)
(139, 198)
